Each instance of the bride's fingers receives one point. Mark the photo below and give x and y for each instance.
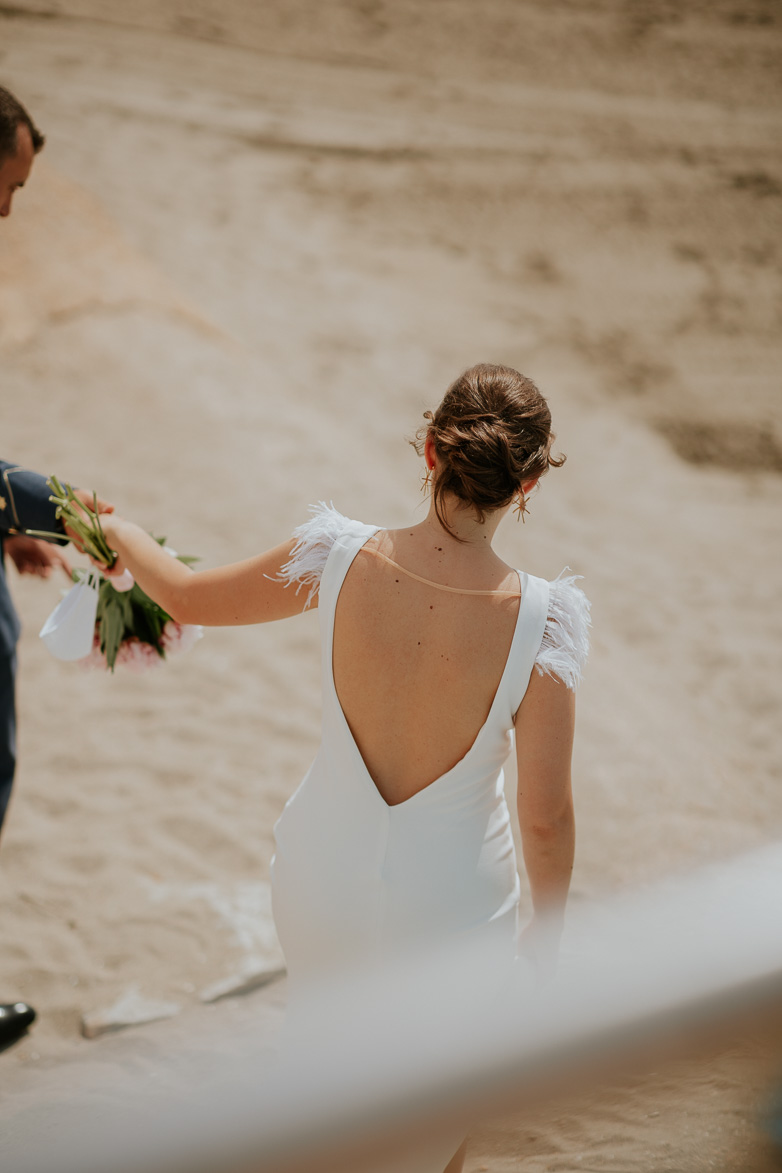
(116, 570)
(119, 576)
(123, 582)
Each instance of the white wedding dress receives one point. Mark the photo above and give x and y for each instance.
(355, 880)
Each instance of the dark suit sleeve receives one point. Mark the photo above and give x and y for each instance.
(24, 501)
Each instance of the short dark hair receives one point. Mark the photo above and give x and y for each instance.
(12, 116)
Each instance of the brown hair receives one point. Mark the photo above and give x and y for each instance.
(12, 116)
(491, 433)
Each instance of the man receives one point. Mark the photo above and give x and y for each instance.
(24, 504)
(20, 142)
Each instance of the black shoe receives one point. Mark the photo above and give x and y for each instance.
(15, 1017)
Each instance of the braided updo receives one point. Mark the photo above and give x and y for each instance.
(491, 433)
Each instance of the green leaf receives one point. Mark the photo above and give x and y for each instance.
(114, 615)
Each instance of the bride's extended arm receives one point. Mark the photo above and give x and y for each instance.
(243, 592)
(544, 745)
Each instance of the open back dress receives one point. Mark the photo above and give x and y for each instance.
(354, 879)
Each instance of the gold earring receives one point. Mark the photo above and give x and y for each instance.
(426, 478)
(521, 507)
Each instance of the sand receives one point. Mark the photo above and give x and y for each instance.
(260, 241)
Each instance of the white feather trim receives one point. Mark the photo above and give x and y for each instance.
(314, 539)
(565, 646)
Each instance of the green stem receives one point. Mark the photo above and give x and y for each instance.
(97, 520)
(89, 533)
(38, 533)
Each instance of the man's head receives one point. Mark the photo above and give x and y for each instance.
(20, 142)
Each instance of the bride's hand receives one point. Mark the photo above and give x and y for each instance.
(109, 523)
(87, 498)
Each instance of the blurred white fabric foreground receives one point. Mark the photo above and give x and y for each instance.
(405, 1056)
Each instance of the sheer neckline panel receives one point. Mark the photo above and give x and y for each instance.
(437, 585)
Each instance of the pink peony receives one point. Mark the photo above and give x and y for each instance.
(180, 637)
(95, 658)
(138, 656)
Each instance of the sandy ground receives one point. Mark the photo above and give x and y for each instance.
(261, 240)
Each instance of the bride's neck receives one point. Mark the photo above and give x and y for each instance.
(467, 532)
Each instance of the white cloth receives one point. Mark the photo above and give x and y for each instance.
(355, 880)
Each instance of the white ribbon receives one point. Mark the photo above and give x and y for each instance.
(70, 629)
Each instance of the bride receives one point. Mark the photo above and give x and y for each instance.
(434, 653)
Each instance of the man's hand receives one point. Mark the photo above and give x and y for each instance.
(33, 556)
(86, 498)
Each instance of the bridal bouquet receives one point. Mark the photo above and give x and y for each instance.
(104, 621)
(129, 628)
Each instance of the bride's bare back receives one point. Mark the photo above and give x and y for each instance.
(415, 667)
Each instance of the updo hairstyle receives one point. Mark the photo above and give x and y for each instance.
(491, 433)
